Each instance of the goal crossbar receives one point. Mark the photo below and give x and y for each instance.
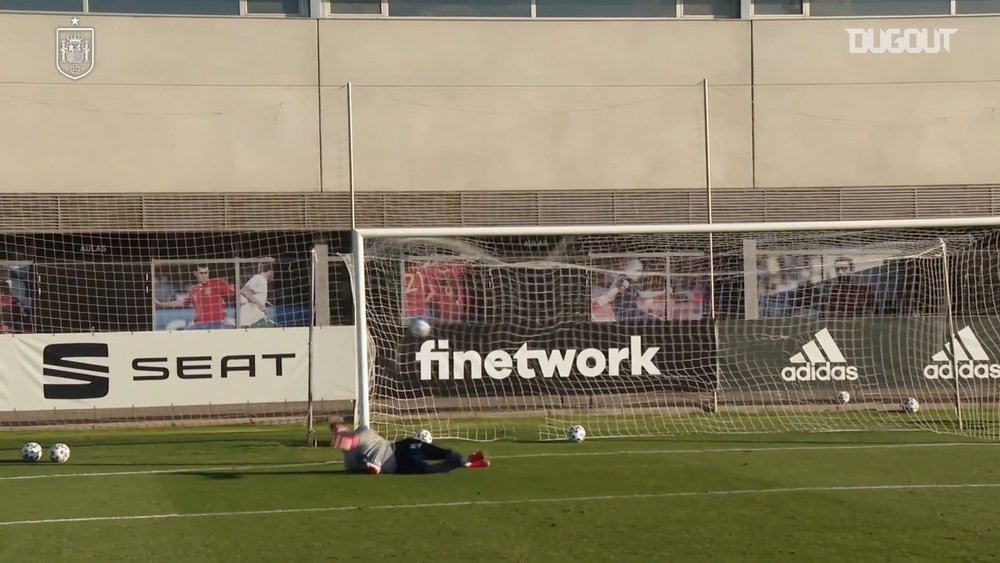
(694, 228)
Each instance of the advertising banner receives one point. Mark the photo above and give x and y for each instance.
(877, 354)
(474, 361)
(154, 369)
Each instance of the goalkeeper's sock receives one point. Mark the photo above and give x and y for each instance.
(477, 460)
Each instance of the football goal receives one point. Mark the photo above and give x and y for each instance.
(656, 330)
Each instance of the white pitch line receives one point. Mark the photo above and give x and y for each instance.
(751, 449)
(730, 492)
(165, 471)
(510, 456)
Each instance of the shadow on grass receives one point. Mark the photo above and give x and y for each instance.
(230, 475)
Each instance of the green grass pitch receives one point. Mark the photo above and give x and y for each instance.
(256, 494)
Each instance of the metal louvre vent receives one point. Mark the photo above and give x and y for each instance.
(312, 211)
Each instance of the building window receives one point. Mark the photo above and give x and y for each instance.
(978, 7)
(461, 8)
(286, 7)
(183, 7)
(777, 8)
(714, 8)
(879, 7)
(43, 5)
(606, 8)
(356, 7)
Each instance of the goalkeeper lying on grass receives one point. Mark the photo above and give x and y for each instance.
(367, 452)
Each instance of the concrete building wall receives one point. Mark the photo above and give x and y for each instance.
(172, 104)
(235, 105)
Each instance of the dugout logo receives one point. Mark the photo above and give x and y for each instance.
(819, 360)
(437, 361)
(896, 41)
(61, 361)
(970, 359)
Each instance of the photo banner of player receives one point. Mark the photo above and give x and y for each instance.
(213, 294)
(641, 287)
(849, 282)
(435, 289)
(15, 298)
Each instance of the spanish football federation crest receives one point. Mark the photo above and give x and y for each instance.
(75, 50)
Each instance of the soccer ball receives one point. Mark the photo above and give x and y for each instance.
(576, 433)
(843, 397)
(424, 436)
(59, 453)
(911, 405)
(420, 328)
(31, 452)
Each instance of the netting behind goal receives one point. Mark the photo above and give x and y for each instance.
(646, 335)
(179, 328)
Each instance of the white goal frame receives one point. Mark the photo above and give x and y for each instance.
(361, 235)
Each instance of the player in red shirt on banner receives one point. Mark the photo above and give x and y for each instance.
(208, 297)
(436, 290)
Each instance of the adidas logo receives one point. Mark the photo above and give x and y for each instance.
(970, 359)
(820, 360)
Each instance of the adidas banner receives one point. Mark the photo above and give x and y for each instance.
(795, 354)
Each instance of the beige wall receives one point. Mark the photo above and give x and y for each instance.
(247, 104)
(173, 104)
(826, 117)
(535, 105)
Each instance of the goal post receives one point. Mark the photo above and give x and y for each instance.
(650, 330)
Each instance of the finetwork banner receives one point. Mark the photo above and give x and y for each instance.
(154, 369)
(491, 360)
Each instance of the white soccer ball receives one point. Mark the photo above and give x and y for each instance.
(576, 433)
(420, 328)
(843, 397)
(911, 405)
(59, 453)
(424, 436)
(31, 452)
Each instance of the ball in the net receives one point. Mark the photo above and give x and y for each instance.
(420, 328)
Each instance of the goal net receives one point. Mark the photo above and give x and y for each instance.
(172, 328)
(662, 333)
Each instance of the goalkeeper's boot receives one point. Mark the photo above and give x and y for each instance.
(477, 460)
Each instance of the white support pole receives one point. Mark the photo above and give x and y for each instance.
(953, 345)
(711, 249)
(310, 426)
(350, 149)
(708, 151)
(362, 411)
(321, 296)
(652, 229)
(751, 297)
